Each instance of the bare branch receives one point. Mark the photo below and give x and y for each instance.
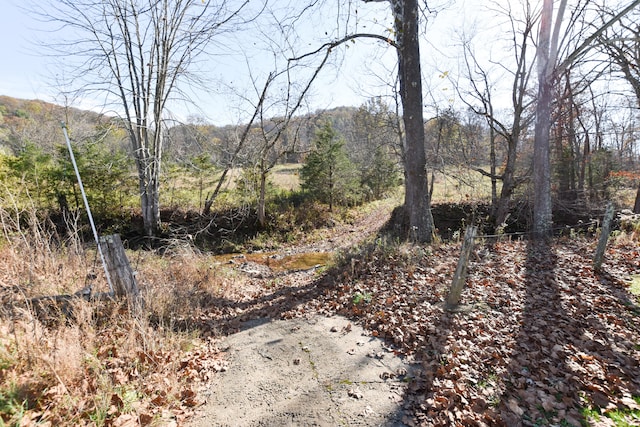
(334, 44)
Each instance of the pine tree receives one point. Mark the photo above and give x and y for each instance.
(328, 174)
(380, 175)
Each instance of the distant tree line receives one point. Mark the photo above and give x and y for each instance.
(348, 156)
(552, 144)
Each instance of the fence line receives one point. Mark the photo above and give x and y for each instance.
(524, 233)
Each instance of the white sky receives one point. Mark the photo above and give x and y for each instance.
(20, 69)
(26, 73)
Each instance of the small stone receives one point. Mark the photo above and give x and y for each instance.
(387, 375)
(368, 411)
(355, 393)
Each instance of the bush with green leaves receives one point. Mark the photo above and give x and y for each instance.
(104, 173)
(49, 181)
(30, 171)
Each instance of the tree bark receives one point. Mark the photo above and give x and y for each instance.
(417, 203)
(262, 198)
(542, 209)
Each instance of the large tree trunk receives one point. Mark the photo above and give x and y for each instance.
(149, 197)
(148, 167)
(417, 203)
(636, 205)
(508, 177)
(493, 167)
(542, 209)
(508, 185)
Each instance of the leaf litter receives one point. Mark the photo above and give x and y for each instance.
(544, 339)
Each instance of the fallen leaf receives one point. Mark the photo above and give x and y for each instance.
(513, 407)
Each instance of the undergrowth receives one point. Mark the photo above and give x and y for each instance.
(95, 363)
(100, 364)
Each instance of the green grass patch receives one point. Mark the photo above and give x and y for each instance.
(634, 285)
(12, 406)
(620, 417)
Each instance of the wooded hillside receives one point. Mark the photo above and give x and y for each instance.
(460, 153)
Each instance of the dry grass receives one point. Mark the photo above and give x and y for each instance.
(461, 185)
(102, 365)
(287, 176)
(95, 363)
(183, 190)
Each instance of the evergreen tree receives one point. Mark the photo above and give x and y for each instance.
(328, 174)
(380, 175)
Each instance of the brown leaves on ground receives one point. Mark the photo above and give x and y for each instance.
(540, 339)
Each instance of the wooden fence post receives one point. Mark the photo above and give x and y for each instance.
(460, 275)
(604, 237)
(120, 272)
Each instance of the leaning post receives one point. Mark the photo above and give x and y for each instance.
(604, 237)
(460, 276)
(122, 276)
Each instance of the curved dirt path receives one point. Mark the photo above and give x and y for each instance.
(314, 371)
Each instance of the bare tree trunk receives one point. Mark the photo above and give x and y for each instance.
(493, 167)
(262, 215)
(417, 203)
(509, 181)
(148, 182)
(508, 185)
(509, 132)
(542, 209)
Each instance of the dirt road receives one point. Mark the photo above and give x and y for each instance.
(314, 371)
(306, 372)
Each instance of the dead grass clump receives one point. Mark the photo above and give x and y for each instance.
(96, 363)
(106, 366)
(180, 286)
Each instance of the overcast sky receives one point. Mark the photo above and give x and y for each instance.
(359, 72)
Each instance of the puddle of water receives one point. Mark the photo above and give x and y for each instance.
(277, 262)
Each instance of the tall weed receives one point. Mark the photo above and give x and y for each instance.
(93, 362)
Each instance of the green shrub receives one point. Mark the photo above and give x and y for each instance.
(328, 175)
